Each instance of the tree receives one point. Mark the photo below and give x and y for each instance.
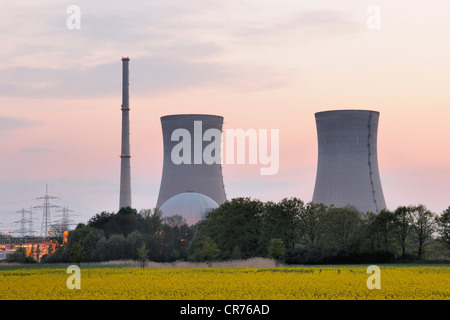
(379, 230)
(51, 249)
(236, 253)
(100, 220)
(77, 253)
(115, 247)
(280, 220)
(174, 221)
(210, 250)
(340, 228)
(38, 252)
(276, 249)
(149, 213)
(310, 221)
(142, 253)
(101, 249)
(132, 243)
(443, 227)
(401, 226)
(176, 235)
(123, 222)
(384, 221)
(89, 242)
(87, 236)
(423, 226)
(19, 255)
(151, 220)
(236, 222)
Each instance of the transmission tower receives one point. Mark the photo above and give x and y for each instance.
(65, 220)
(46, 206)
(30, 223)
(23, 223)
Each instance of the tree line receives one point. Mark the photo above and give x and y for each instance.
(314, 233)
(116, 236)
(241, 228)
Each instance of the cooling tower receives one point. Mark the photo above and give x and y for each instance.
(347, 167)
(196, 174)
(125, 170)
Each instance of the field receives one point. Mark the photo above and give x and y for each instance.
(238, 283)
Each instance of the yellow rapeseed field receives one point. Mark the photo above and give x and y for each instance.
(283, 283)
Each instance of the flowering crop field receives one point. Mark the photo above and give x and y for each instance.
(282, 283)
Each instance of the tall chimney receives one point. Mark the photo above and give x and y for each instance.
(125, 171)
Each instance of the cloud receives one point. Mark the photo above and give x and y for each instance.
(9, 123)
(147, 75)
(172, 45)
(307, 24)
(336, 21)
(35, 150)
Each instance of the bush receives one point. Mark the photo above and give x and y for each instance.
(30, 259)
(276, 249)
(20, 256)
(313, 255)
(303, 255)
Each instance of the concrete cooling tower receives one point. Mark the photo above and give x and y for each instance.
(190, 137)
(347, 168)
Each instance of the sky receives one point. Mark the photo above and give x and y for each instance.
(260, 64)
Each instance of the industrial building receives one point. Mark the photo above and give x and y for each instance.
(200, 183)
(347, 166)
(35, 247)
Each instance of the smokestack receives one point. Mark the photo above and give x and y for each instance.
(125, 171)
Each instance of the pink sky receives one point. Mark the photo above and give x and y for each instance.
(256, 63)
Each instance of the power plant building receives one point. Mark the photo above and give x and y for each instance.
(347, 167)
(199, 181)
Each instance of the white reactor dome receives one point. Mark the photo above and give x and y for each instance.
(192, 206)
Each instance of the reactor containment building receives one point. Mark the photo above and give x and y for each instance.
(194, 187)
(347, 166)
